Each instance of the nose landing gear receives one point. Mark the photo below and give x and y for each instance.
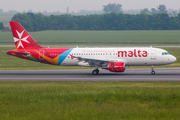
(152, 70)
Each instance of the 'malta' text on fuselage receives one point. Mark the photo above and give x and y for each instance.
(134, 53)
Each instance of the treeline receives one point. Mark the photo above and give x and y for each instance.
(111, 21)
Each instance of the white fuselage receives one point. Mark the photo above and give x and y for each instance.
(139, 56)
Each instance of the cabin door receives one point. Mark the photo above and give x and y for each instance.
(153, 54)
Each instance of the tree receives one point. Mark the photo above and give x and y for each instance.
(174, 13)
(153, 11)
(164, 22)
(115, 8)
(25, 19)
(30, 11)
(111, 21)
(162, 9)
(1, 26)
(145, 11)
(141, 22)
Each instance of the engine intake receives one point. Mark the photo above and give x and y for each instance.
(117, 66)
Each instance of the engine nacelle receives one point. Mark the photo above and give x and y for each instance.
(117, 66)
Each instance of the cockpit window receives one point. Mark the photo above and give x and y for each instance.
(165, 53)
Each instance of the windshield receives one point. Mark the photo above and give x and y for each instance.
(165, 53)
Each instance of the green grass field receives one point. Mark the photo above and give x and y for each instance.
(8, 62)
(40, 100)
(145, 37)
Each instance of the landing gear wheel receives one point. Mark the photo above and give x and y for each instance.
(153, 72)
(95, 72)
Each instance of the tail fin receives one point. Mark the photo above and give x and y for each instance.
(22, 38)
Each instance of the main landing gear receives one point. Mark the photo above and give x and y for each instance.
(95, 72)
(152, 70)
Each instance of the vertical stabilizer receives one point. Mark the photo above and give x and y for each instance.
(22, 38)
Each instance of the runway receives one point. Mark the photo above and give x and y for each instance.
(165, 74)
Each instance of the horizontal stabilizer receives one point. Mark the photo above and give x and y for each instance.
(22, 53)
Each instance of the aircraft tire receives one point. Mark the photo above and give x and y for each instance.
(95, 72)
(153, 72)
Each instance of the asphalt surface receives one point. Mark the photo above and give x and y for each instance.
(165, 74)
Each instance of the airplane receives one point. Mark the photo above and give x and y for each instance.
(112, 59)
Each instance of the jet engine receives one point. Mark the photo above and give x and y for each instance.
(117, 66)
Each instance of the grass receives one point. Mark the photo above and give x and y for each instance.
(146, 37)
(89, 100)
(8, 62)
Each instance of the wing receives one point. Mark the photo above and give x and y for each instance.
(91, 62)
(91, 59)
(84, 61)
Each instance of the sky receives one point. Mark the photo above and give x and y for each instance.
(77, 5)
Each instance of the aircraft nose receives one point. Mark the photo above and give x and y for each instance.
(173, 59)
